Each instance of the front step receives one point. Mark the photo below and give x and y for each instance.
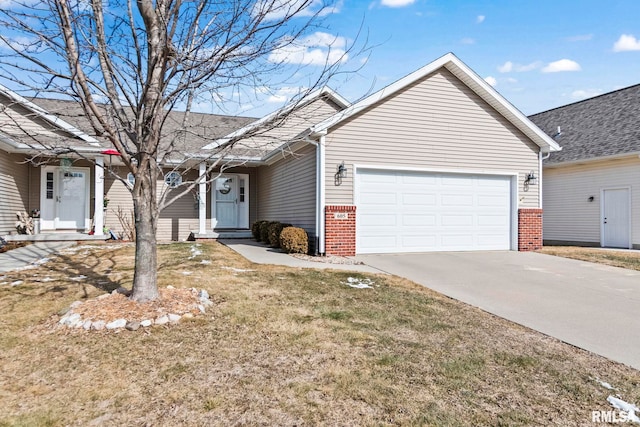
(222, 234)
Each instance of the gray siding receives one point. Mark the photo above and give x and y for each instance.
(437, 123)
(14, 189)
(287, 190)
(568, 214)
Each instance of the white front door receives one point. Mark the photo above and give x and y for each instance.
(615, 218)
(226, 201)
(71, 199)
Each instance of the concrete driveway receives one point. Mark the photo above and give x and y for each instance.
(592, 306)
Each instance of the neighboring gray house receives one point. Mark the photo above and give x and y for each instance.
(437, 161)
(591, 189)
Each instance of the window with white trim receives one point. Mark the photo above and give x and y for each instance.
(173, 179)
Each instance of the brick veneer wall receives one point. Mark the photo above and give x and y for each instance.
(340, 233)
(529, 229)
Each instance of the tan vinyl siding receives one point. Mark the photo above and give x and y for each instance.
(297, 122)
(437, 123)
(568, 214)
(287, 190)
(14, 188)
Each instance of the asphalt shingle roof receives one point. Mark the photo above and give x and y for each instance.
(606, 125)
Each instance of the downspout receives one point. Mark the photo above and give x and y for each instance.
(540, 159)
(320, 186)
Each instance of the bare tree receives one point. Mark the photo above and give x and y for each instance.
(130, 63)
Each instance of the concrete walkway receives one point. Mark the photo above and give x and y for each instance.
(27, 255)
(592, 306)
(261, 254)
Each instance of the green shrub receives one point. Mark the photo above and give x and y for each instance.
(274, 233)
(255, 229)
(264, 231)
(294, 240)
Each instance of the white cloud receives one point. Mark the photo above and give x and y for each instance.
(512, 80)
(509, 66)
(467, 40)
(491, 80)
(562, 65)
(19, 43)
(278, 9)
(316, 49)
(283, 94)
(626, 42)
(585, 93)
(480, 19)
(580, 38)
(397, 3)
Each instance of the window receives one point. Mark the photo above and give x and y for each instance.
(49, 185)
(242, 191)
(131, 179)
(173, 179)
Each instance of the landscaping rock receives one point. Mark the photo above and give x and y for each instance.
(75, 304)
(162, 320)
(98, 325)
(132, 326)
(203, 295)
(187, 316)
(124, 291)
(117, 324)
(87, 325)
(174, 318)
(201, 308)
(146, 323)
(69, 319)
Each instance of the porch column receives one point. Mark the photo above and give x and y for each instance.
(98, 188)
(202, 199)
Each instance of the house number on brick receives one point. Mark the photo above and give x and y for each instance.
(340, 215)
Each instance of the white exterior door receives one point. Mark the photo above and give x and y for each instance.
(226, 201)
(401, 211)
(615, 218)
(71, 199)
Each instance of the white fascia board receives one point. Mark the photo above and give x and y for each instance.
(325, 91)
(56, 121)
(467, 76)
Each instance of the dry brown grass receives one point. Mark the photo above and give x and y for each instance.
(285, 347)
(624, 259)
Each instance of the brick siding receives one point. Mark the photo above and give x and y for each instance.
(529, 229)
(340, 233)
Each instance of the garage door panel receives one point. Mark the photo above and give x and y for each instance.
(416, 212)
(456, 199)
(417, 199)
(378, 220)
(418, 220)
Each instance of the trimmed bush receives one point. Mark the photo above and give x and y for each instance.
(294, 240)
(255, 229)
(264, 231)
(275, 228)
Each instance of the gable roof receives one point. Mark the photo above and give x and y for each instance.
(39, 112)
(324, 92)
(598, 127)
(468, 77)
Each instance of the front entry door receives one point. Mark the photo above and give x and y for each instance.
(71, 200)
(226, 199)
(615, 218)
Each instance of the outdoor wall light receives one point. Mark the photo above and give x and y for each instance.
(531, 179)
(341, 173)
(591, 198)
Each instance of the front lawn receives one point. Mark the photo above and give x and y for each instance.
(615, 258)
(283, 346)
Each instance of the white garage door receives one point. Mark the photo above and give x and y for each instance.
(421, 212)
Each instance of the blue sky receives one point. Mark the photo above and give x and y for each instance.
(538, 54)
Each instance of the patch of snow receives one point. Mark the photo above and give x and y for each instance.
(26, 267)
(3, 277)
(187, 273)
(629, 408)
(205, 261)
(42, 261)
(605, 384)
(17, 282)
(236, 270)
(359, 283)
(4, 283)
(195, 251)
(46, 279)
(78, 278)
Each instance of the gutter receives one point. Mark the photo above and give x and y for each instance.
(593, 159)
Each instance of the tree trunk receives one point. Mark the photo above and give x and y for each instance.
(145, 208)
